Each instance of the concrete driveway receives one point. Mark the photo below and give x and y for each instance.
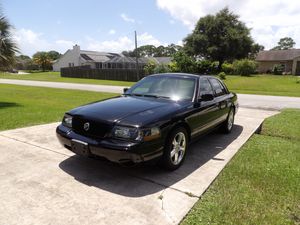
(43, 183)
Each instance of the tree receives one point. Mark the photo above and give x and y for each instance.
(285, 43)
(172, 49)
(255, 48)
(152, 51)
(8, 48)
(219, 37)
(23, 57)
(54, 55)
(43, 60)
(183, 62)
(22, 62)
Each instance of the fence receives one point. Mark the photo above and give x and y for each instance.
(102, 74)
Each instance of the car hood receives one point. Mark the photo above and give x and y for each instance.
(127, 110)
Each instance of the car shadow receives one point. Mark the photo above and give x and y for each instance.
(131, 181)
(9, 104)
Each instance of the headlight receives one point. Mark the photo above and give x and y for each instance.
(136, 134)
(151, 133)
(67, 121)
(127, 133)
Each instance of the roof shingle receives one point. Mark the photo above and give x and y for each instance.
(278, 55)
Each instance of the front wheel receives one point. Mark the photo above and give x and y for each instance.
(228, 124)
(175, 149)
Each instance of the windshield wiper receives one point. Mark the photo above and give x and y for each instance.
(148, 95)
(156, 96)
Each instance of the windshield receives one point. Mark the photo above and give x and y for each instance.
(174, 88)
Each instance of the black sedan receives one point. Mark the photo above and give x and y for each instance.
(154, 119)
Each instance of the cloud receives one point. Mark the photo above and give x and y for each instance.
(111, 31)
(30, 42)
(122, 43)
(127, 18)
(147, 39)
(269, 20)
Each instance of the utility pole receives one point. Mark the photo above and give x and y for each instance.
(136, 57)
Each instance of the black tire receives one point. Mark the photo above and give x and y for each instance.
(168, 161)
(229, 122)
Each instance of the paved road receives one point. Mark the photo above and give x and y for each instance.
(245, 100)
(43, 183)
(85, 87)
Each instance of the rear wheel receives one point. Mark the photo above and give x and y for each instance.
(228, 124)
(175, 149)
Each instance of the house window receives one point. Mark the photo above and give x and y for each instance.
(99, 65)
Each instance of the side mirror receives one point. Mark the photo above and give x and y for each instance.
(125, 89)
(207, 97)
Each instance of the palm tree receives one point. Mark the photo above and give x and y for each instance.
(8, 47)
(43, 60)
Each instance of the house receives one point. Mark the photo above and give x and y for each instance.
(102, 60)
(289, 59)
(77, 57)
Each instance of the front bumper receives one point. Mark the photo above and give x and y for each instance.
(114, 150)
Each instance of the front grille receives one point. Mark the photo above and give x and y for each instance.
(96, 129)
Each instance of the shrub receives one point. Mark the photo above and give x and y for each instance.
(222, 75)
(161, 68)
(228, 68)
(278, 69)
(203, 67)
(214, 67)
(149, 67)
(244, 67)
(173, 67)
(184, 62)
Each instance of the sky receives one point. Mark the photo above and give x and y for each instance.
(99, 25)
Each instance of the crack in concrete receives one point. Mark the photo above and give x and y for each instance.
(161, 197)
(165, 186)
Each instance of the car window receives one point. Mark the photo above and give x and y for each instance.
(205, 87)
(143, 87)
(217, 87)
(166, 86)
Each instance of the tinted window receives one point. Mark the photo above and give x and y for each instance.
(217, 87)
(205, 87)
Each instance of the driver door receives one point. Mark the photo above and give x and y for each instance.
(204, 115)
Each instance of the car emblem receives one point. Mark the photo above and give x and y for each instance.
(86, 126)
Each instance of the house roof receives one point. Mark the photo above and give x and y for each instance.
(142, 60)
(278, 55)
(94, 56)
(162, 60)
(119, 59)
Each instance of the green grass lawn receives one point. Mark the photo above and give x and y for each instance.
(55, 77)
(256, 84)
(22, 106)
(264, 85)
(261, 185)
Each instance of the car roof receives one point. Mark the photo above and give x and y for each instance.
(181, 74)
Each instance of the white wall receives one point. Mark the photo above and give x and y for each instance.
(71, 56)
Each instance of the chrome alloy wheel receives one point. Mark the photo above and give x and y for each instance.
(178, 148)
(230, 120)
